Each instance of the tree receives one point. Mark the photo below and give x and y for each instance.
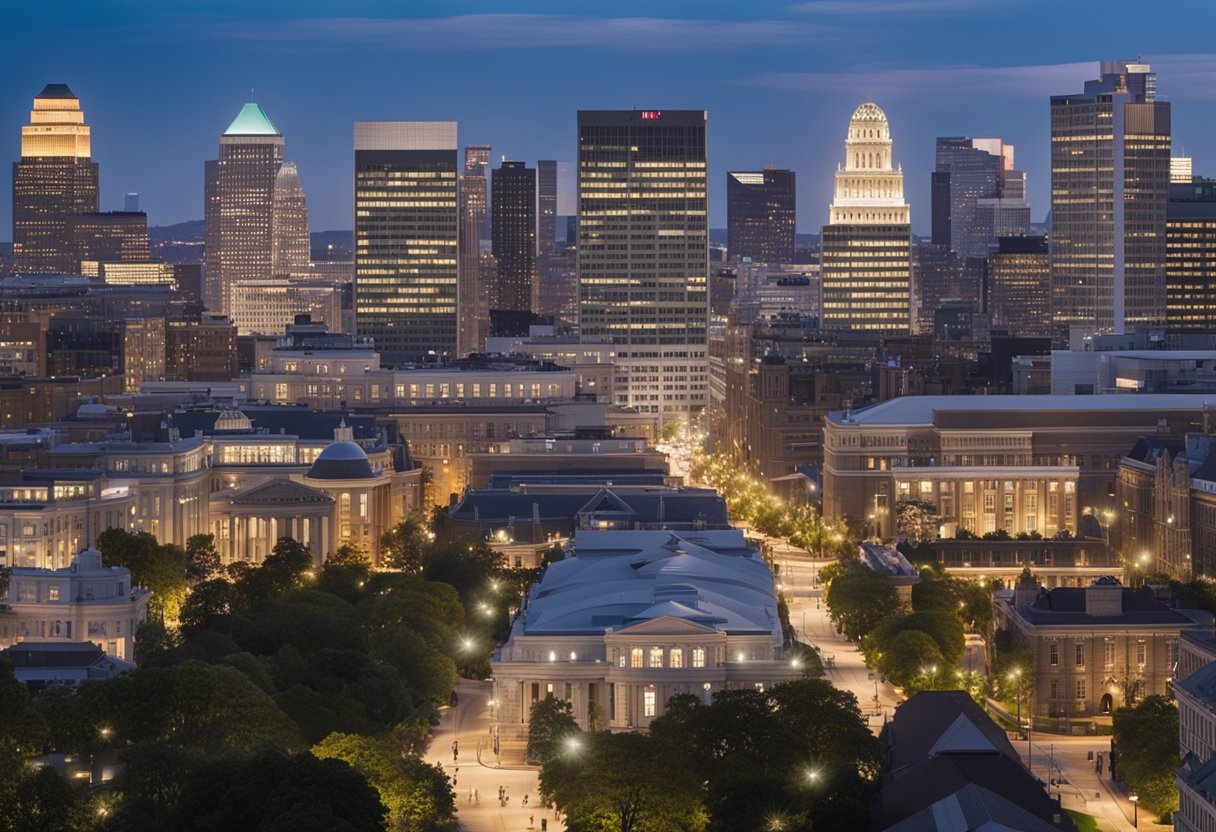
(202, 559)
(350, 554)
(161, 569)
(859, 598)
(911, 660)
(1146, 742)
(405, 545)
(624, 783)
(209, 600)
(417, 794)
(550, 723)
(916, 520)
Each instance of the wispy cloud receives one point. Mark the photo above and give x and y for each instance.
(896, 7)
(1178, 76)
(521, 31)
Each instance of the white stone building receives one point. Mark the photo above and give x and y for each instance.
(631, 618)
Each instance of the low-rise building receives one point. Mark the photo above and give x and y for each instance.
(40, 665)
(1069, 562)
(631, 618)
(83, 601)
(1195, 692)
(1095, 648)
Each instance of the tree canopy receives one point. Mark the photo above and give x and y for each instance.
(1146, 741)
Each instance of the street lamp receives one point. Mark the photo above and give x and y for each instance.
(1135, 799)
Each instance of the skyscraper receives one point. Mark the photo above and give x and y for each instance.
(643, 253)
(406, 235)
(513, 232)
(289, 239)
(760, 215)
(1190, 257)
(239, 196)
(55, 180)
(1110, 174)
(1019, 290)
(977, 195)
(473, 308)
(546, 227)
(867, 266)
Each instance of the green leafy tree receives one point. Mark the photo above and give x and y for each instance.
(161, 569)
(623, 783)
(405, 545)
(417, 794)
(208, 601)
(916, 520)
(550, 724)
(859, 598)
(1146, 740)
(202, 559)
(912, 660)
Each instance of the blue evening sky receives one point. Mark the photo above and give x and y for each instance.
(160, 79)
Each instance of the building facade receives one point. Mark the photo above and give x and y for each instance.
(406, 238)
(643, 253)
(290, 247)
(1019, 286)
(977, 195)
(761, 217)
(473, 307)
(54, 181)
(239, 201)
(1110, 162)
(867, 269)
(631, 618)
(513, 234)
(1190, 257)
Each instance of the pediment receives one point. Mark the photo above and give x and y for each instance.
(666, 625)
(279, 492)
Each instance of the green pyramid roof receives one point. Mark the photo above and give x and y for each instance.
(251, 121)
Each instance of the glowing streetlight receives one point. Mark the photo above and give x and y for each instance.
(573, 744)
(1135, 799)
(812, 775)
(466, 644)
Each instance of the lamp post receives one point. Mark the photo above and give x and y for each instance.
(1135, 799)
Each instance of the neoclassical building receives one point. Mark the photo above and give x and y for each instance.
(631, 618)
(82, 602)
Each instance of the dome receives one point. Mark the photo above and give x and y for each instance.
(342, 461)
(869, 112)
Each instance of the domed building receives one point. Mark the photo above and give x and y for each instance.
(867, 243)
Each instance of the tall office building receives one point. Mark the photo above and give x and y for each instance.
(1110, 174)
(760, 215)
(55, 180)
(977, 195)
(867, 269)
(473, 308)
(130, 203)
(513, 234)
(239, 198)
(406, 236)
(1019, 286)
(1181, 172)
(111, 237)
(546, 228)
(1190, 257)
(290, 248)
(643, 253)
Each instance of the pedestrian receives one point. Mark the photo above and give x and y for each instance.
(525, 803)
(470, 795)
(531, 821)
(544, 825)
(476, 797)
(500, 792)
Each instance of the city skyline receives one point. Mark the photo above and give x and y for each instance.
(795, 71)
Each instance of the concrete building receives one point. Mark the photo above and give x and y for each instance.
(268, 307)
(1067, 562)
(39, 665)
(761, 217)
(1095, 648)
(1110, 162)
(631, 618)
(1190, 257)
(1195, 691)
(643, 253)
(54, 181)
(406, 238)
(1014, 463)
(472, 307)
(867, 270)
(289, 240)
(82, 601)
(977, 195)
(513, 235)
(239, 205)
(1019, 286)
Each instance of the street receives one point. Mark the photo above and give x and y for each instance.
(476, 774)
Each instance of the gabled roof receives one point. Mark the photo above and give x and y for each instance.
(939, 722)
(973, 809)
(280, 492)
(251, 121)
(605, 500)
(665, 623)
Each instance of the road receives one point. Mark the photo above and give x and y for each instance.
(477, 774)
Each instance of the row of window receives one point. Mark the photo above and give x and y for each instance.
(654, 657)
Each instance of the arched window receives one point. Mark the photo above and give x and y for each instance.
(698, 657)
(675, 657)
(635, 657)
(656, 656)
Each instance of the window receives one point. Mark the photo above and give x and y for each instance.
(621, 661)
(1054, 689)
(648, 702)
(1080, 689)
(698, 657)
(656, 657)
(1080, 646)
(1108, 653)
(53, 593)
(635, 657)
(1141, 652)
(675, 657)
(1053, 655)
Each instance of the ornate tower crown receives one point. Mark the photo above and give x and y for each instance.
(869, 189)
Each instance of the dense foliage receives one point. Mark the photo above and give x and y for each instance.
(1146, 742)
(798, 756)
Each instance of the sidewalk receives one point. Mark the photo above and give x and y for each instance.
(477, 774)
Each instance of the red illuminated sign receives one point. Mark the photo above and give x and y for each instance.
(650, 115)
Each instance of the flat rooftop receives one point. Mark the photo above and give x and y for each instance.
(919, 410)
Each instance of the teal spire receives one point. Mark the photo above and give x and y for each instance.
(251, 121)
